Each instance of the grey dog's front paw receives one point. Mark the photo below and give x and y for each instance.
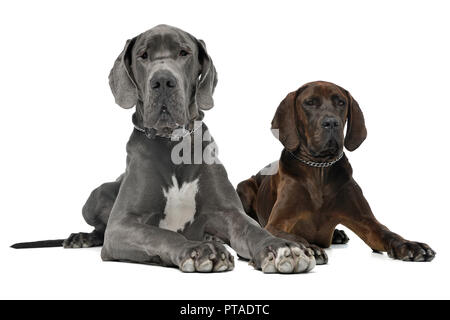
(206, 256)
(280, 256)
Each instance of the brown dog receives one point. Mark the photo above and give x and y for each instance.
(313, 190)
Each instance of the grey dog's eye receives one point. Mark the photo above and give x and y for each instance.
(183, 53)
(144, 55)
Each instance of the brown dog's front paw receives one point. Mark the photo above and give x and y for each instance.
(339, 237)
(319, 254)
(410, 251)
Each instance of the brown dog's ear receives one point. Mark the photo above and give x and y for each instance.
(284, 122)
(121, 79)
(356, 127)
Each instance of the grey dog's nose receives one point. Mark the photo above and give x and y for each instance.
(163, 80)
(330, 123)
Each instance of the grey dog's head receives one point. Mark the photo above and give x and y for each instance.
(168, 75)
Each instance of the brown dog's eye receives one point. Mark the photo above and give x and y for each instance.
(144, 55)
(183, 53)
(309, 102)
(341, 103)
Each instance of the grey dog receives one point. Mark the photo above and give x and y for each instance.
(158, 212)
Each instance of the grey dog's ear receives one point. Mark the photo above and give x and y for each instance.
(121, 79)
(356, 127)
(207, 80)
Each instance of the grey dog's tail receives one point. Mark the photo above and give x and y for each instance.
(39, 244)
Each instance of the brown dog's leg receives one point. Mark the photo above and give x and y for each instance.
(319, 253)
(357, 215)
(247, 191)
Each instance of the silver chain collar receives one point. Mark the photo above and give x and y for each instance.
(318, 164)
(185, 133)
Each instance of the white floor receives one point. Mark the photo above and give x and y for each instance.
(353, 272)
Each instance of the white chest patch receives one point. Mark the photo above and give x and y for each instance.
(180, 205)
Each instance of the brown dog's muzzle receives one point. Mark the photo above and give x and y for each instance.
(325, 137)
(330, 123)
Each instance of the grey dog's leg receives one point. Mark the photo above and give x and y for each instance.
(128, 239)
(84, 240)
(265, 252)
(96, 212)
(98, 207)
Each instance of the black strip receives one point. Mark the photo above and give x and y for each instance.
(227, 309)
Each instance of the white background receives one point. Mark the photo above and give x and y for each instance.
(62, 135)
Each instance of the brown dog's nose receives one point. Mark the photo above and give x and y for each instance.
(330, 123)
(163, 80)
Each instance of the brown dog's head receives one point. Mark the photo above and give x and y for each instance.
(311, 121)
